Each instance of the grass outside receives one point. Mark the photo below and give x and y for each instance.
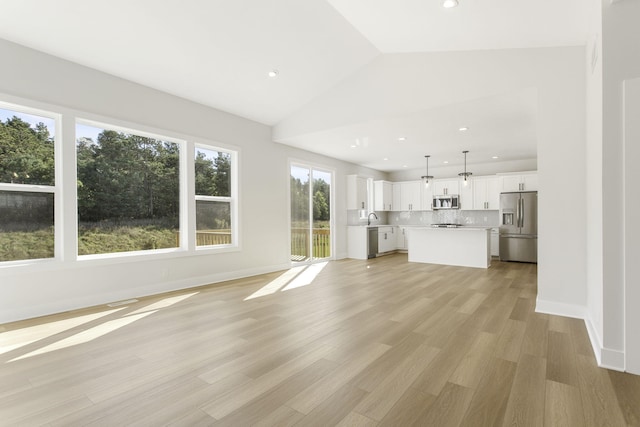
(23, 245)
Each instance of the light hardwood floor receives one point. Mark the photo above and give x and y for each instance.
(366, 343)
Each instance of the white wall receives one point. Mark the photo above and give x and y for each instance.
(28, 291)
(593, 177)
(621, 61)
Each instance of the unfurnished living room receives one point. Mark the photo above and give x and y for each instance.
(319, 212)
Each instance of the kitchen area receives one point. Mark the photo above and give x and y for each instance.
(463, 221)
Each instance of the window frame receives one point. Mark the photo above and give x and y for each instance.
(27, 107)
(65, 190)
(232, 199)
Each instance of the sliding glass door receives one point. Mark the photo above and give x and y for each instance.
(310, 213)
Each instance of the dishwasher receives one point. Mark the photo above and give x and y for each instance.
(372, 242)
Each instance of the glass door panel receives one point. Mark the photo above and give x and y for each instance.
(321, 200)
(300, 215)
(310, 213)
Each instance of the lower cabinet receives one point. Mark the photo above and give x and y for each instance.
(401, 238)
(386, 239)
(495, 242)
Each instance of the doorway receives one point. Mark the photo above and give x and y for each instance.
(310, 190)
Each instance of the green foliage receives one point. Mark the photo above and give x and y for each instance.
(21, 245)
(300, 200)
(112, 237)
(213, 175)
(124, 176)
(26, 153)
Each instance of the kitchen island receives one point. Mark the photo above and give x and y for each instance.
(462, 246)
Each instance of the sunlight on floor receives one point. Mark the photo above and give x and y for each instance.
(86, 336)
(163, 303)
(20, 337)
(276, 284)
(306, 277)
(295, 277)
(12, 340)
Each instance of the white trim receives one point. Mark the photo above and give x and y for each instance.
(560, 309)
(27, 188)
(30, 312)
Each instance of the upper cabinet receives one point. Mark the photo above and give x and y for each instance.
(521, 182)
(407, 196)
(427, 196)
(356, 192)
(444, 187)
(486, 193)
(382, 196)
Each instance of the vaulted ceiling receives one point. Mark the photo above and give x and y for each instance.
(219, 53)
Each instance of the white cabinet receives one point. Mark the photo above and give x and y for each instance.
(486, 193)
(407, 196)
(402, 238)
(386, 239)
(466, 194)
(356, 192)
(382, 196)
(521, 182)
(444, 187)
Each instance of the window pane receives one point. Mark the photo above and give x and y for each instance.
(213, 177)
(128, 192)
(213, 223)
(26, 148)
(26, 225)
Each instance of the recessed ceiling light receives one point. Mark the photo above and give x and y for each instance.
(353, 146)
(402, 138)
(449, 3)
(495, 157)
(385, 159)
(404, 166)
(446, 161)
(463, 129)
(273, 74)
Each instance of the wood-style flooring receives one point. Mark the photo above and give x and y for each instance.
(381, 342)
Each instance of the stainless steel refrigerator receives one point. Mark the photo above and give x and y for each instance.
(519, 226)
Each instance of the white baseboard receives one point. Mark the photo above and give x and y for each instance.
(69, 304)
(560, 309)
(606, 357)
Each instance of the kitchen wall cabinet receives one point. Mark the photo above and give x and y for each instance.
(407, 196)
(444, 187)
(486, 193)
(357, 196)
(386, 239)
(382, 196)
(522, 182)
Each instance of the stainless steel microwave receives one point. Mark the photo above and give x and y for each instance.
(446, 202)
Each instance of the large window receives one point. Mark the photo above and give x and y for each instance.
(27, 185)
(128, 191)
(215, 201)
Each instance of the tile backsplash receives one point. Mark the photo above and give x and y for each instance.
(476, 218)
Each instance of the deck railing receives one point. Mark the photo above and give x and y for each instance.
(320, 243)
(209, 237)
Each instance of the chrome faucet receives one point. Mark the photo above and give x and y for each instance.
(369, 217)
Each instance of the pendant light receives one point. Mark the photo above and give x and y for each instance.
(427, 177)
(465, 174)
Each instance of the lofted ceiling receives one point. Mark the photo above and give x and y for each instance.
(218, 53)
